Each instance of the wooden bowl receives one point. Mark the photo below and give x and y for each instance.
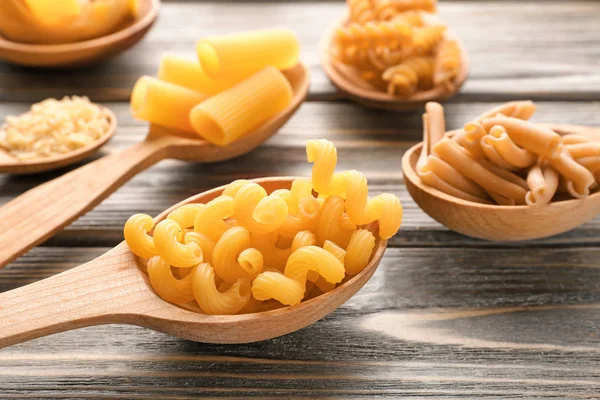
(81, 53)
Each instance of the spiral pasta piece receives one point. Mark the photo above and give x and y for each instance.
(211, 300)
(323, 154)
(185, 215)
(210, 219)
(447, 64)
(410, 74)
(386, 209)
(136, 235)
(359, 251)
(361, 11)
(329, 226)
(226, 256)
(204, 242)
(321, 283)
(178, 291)
(275, 285)
(426, 38)
(266, 243)
(373, 34)
(167, 240)
(313, 258)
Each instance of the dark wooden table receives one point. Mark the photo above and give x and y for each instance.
(445, 316)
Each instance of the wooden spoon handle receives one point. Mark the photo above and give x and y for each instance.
(95, 293)
(44, 210)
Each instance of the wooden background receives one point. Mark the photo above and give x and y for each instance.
(444, 316)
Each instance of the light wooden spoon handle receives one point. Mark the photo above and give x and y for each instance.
(44, 210)
(95, 293)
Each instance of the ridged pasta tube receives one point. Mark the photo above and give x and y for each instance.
(178, 291)
(359, 251)
(210, 219)
(329, 226)
(211, 300)
(386, 209)
(230, 260)
(167, 240)
(266, 243)
(204, 242)
(136, 235)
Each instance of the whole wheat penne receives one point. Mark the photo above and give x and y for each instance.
(501, 200)
(507, 149)
(591, 163)
(579, 179)
(431, 179)
(470, 139)
(580, 150)
(543, 182)
(504, 174)
(535, 138)
(574, 138)
(451, 176)
(454, 155)
(493, 155)
(437, 124)
(515, 109)
(425, 147)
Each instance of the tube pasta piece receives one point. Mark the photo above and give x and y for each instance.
(507, 149)
(591, 163)
(451, 176)
(136, 235)
(448, 62)
(453, 154)
(575, 138)
(426, 145)
(515, 109)
(581, 150)
(543, 183)
(184, 72)
(579, 179)
(178, 291)
(231, 114)
(167, 240)
(470, 139)
(535, 138)
(242, 54)
(359, 251)
(227, 256)
(204, 242)
(211, 300)
(436, 124)
(256, 210)
(210, 219)
(492, 154)
(501, 200)
(305, 238)
(164, 103)
(504, 174)
(431, 179)
(185, 215)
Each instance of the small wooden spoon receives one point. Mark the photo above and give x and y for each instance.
(112, 289)
(12, 165)
(44, 210)
(494, 222)
(345, 78)
(86, 52)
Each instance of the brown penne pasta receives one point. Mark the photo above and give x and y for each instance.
(515, 109)
(492, 154)
(451, 176)
(507, 149)
(579, 179)
(504, 174)
(580, 150)
(501, 200)
(575, 138)
(543, 183)
(591, 163)
(471, 137)
(422, 161)
(457, 157)
(431, 179)
(436, 124)
(535, 138)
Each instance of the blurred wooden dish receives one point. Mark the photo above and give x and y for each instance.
(494, 222)
(112, 289)
(81, 53)
(344, 77)
(12, 165)
(44, 210)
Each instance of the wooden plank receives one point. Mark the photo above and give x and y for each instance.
(462, 322)
(359, 135)
(517, 49)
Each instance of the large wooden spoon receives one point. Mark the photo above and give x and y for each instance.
(44, 210)
(494, 222)
(12, 165)
(85, 52)
(347, 80)
(113, 289)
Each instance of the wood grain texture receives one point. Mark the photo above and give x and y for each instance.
(515, 51)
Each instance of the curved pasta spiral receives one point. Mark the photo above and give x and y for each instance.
(266, 243)
(372, 34)
(185, 215)
(136, 235)
(407, 76)
(210, 218)
(204, 242)
(233, 257)
(323, 154)
(425, 39)
(302, 206)
(330, 224)
(447, 63)
(167, 240)
(387, 209)
(178, 291)
(361, 11)
(359, 251)
(211, 300)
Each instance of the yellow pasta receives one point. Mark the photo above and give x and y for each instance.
(329, 226)
(245, 53)
(450, 175)
(231, 259)
(574, 138)
(515, 109)
(178, 291)
(580, 150)
(204, 242)
(210, 219)
(185, 215)
(359, 251)
(579, 179)
(164, 103)
(431, 179)
(231, 114)
(493, 155)
(273, 256)
(361, 11)
(167, 241)
(136, 235)
(410, 74)
(373, 34)
(542, 182)
(425, 39)
(211, 300)
(447, 63)
(185, 72)
(507, 149)
(323, 154)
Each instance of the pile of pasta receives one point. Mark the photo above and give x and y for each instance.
(248, 251)
(234, 85)
(398, 46)
(502, 158)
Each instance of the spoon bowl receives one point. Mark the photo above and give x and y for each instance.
(12, 165)
(85, 52)
(57, 203)
(345, 78)
(114, 289)
(494, 222)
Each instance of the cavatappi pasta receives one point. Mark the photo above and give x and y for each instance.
(397, 46)
(247, 249)
(54, 127)
(234, 86)
(500, 157)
